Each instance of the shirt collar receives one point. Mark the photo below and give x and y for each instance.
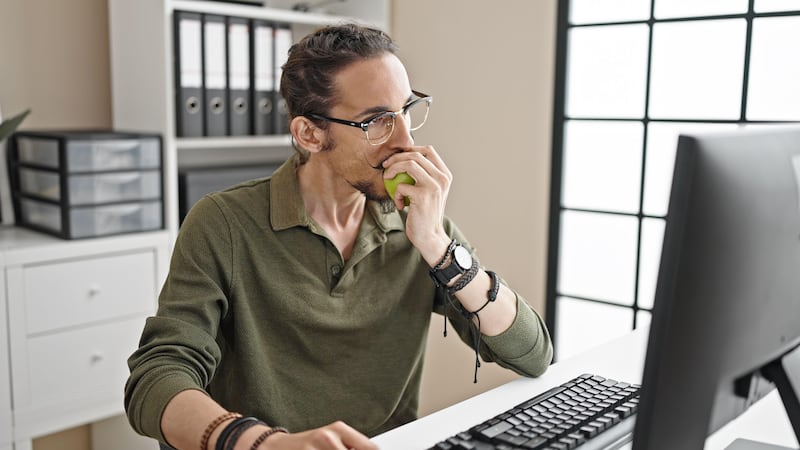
(287, 209)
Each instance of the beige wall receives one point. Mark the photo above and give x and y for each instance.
(489, 66)
(54, 60)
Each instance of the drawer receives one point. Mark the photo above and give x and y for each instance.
(91, 188)
(71, 293)
(80, 364)
(90, 221)
(85, 152)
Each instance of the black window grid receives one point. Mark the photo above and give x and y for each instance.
(560, 118)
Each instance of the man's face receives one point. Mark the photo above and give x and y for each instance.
(366, 88)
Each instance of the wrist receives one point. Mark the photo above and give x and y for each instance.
(435, 249)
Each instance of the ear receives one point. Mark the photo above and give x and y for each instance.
(308, 136)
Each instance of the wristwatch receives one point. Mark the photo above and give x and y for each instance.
(460, 262)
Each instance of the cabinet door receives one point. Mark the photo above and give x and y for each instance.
(73, 323)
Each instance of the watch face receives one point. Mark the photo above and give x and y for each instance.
(462, 257)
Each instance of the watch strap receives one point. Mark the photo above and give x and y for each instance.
(465, 279)
(443, 275)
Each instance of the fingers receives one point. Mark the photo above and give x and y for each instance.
(426, 157)
(336, 436)
(422, 163)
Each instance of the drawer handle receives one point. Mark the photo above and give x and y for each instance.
(96, 358)
(94, 291)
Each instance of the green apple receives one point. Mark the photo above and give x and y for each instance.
(391, 183)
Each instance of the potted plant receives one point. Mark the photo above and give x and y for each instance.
(8, 126)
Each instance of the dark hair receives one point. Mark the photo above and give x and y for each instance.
(307, 80)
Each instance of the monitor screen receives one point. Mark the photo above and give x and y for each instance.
(727, 299)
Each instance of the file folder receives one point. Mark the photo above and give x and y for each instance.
(239, 116)
(215, 75)
(263, 77)
(283, 40)
(188, 54)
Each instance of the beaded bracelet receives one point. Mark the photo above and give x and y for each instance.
(263, 436)
(213, 426)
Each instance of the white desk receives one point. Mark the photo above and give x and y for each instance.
(621, 359)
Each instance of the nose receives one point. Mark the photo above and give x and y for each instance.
(401, 134)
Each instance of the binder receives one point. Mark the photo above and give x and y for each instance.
(283, 40)
(263, 77)
(215, 75)
(188, 55)
(239, 105)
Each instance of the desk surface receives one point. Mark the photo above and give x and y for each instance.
(621, 359)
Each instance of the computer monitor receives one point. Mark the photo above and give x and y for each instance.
(727, 303)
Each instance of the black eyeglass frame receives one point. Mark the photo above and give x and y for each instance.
(364, 125)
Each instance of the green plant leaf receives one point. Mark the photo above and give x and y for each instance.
(8, 126)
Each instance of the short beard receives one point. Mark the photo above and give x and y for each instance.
(382, 198)
(384, 201)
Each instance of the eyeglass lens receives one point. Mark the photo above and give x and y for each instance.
(380, 129)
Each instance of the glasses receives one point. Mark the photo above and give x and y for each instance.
(379, 128)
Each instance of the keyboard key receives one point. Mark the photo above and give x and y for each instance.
(535, 443)
(588, 431)
(510, 440)
(494, 430)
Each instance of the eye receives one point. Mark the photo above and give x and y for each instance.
(384, 120)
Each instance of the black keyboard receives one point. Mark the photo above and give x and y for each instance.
(586, 412)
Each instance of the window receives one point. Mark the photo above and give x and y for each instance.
(631, 76)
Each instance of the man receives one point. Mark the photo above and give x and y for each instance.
(304, 300)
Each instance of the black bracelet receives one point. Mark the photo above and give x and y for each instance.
(491, 294)
(447, 253)
(237, 433)
(230, 428)
(465, 279)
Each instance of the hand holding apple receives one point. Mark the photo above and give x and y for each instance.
(391, 184)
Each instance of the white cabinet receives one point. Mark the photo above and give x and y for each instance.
(75, 311)
(5, 378)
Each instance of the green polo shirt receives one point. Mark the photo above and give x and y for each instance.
(260, 311)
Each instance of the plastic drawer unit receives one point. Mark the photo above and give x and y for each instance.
(80, 184)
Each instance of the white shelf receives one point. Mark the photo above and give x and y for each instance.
(233, 141)
(258, 12)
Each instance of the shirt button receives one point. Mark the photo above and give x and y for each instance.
(336, 270)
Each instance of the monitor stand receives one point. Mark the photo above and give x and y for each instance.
(784, 372)
(745, 444)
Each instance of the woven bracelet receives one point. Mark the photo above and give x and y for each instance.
(466, 278)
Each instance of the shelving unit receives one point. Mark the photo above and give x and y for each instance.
(142, 80)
